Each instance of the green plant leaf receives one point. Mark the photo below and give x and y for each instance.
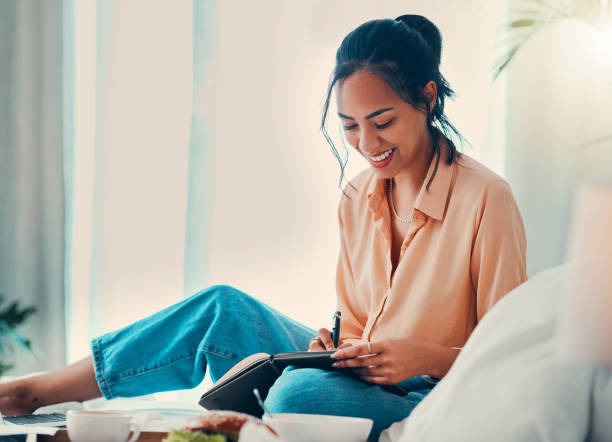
(526, 24)
(507, 60)
(11, 317)
(5, 367)
(522, 23)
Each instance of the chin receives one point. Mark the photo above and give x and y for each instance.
(390, 171)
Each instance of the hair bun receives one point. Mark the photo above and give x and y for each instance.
(426, 28)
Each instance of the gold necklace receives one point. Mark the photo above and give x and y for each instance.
(399, 218)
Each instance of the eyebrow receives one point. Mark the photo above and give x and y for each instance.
(372, 115)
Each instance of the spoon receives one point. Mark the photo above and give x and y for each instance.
(260, 402)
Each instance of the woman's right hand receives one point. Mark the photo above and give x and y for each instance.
(323, 341)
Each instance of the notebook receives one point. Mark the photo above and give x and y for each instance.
(234, 390)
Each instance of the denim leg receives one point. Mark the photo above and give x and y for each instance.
(171, 349)
(311, 390)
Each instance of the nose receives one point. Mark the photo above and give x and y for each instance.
(368, 140)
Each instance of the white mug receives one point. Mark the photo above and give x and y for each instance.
(101, 426)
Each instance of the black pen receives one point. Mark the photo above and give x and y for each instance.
(336, 330)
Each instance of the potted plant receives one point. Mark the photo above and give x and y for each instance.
(11, 318)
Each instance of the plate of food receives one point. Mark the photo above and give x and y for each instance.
(214, 426)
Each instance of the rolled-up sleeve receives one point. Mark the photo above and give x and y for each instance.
(498, 254)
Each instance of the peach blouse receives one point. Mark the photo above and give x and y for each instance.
(464, 251)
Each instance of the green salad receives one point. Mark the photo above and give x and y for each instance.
(198, 436)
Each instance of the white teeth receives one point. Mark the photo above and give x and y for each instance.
(382, 156)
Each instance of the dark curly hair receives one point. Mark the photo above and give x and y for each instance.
(405, 53)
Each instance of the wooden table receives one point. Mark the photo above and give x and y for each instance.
(145, 436)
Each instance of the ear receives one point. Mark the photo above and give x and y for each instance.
(431, 92)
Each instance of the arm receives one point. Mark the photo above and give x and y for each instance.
(498, 262)
(439, 359)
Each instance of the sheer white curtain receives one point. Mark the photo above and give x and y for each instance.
(31, 174)
(133, 104)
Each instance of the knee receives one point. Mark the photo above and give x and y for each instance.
(299, 391)
(224, 297)
(220, 290)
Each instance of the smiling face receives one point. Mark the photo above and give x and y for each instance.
(390, 133)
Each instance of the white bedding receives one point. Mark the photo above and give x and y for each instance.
(509, 383)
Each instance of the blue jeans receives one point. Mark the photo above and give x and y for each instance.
(215, 329)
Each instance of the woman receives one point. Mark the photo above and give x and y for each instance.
(430, 240)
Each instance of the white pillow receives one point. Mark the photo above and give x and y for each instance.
(508, 384)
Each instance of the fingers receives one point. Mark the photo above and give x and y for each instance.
(373, 362)
(315, 345)
(377, 380)
(360, 361)
(324, 336)
(344, 345)
(373, 370)
(322, 341)
(356, 350)
(376, 374)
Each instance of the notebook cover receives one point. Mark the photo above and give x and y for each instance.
(234, 391)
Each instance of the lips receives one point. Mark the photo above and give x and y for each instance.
(383, 159)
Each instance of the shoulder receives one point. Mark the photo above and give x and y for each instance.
(488, 196)
(475, 180)
(476, 189)
(471, 171)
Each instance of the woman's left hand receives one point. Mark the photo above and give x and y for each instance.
(385, 362)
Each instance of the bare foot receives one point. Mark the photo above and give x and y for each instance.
(16, 398)
(75, 382)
